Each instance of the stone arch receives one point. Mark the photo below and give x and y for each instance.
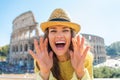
(16, 48)
(21, 47)
(32, 46)
(26, 47)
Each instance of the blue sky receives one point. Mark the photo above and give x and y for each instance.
(98, 17)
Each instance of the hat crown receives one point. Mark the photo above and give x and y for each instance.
(59, 14)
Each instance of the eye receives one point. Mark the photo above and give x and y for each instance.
(53, 31)
(66, 30)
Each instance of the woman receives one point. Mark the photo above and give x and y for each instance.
(61, 55)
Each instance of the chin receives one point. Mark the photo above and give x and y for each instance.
(60, 53)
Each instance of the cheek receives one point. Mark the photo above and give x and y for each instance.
(50, 41)
(69, 38)
(50, 37)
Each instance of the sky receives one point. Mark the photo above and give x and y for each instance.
(97, 17)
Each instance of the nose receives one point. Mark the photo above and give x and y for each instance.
(59, 35)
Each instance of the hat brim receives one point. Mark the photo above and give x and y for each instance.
(46, 25)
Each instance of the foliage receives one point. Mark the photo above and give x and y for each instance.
(106, 72)
(113, 49)
(4, 50)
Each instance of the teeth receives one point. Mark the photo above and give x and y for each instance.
(60, 42)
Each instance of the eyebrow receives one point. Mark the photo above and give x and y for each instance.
(55, 27)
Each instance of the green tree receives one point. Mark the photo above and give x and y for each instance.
(115, 73)
(4, 50)
(106, 72)
(113, 49)
(97, 73)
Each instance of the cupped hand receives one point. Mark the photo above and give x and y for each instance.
(78, 55)
(42, 57)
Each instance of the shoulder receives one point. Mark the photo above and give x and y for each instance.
(36, 68)
(89, 55)
(89, 58)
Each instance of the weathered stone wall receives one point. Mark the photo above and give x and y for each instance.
(97, 47)
(23, 32)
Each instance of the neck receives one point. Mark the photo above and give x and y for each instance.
(63, 58)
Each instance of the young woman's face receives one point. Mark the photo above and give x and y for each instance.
(59, 39)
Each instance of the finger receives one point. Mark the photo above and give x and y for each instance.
(51, 54)
(78, 40)
(85, 52)
(82, 44)
(36, 46)
(82, 41)
(46, 46)
(41, 44)
(32, 54)
(74, 45)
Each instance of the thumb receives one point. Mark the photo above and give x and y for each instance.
(51, 54)
(32, 54)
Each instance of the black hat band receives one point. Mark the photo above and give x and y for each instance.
(59, 19)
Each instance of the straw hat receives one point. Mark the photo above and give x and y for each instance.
(59, 17)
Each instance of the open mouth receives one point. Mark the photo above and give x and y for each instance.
(60, 44)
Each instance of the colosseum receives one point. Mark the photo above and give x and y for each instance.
(25, 29)
(97, 47)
